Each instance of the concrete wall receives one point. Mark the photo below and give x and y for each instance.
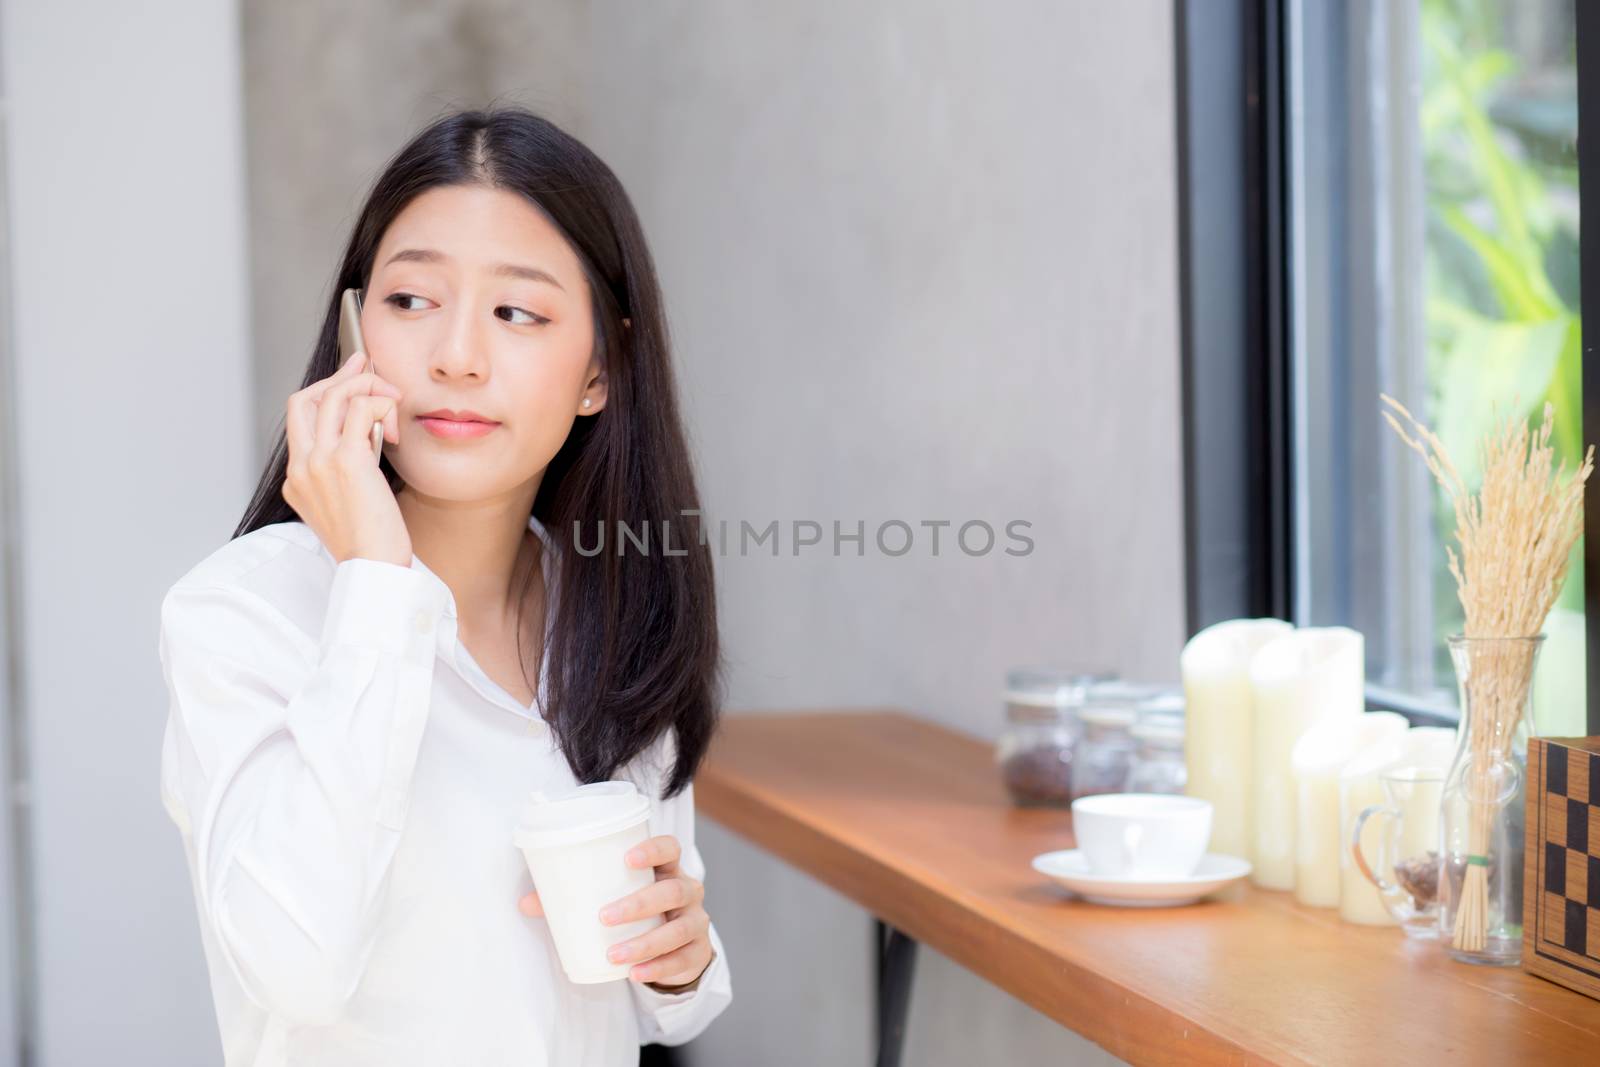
(128, 440)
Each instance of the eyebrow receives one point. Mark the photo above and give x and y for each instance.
(508, 270)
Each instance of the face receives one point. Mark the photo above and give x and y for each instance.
(477, 304)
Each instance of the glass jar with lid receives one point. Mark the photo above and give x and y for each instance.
(1105, 753)
(1158, 763)
(1037, 746)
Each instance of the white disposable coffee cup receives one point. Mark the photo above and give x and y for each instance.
(574, 844)
(1142, 835)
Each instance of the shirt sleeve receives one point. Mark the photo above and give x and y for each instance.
(287, 766)
(675, 1018)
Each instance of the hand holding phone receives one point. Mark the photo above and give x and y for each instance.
(332, 482)
(351, 342)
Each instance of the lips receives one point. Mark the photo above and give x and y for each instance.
(456, 428)
(451, 415)
(451, 424)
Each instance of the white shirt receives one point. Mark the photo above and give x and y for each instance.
(346, 779)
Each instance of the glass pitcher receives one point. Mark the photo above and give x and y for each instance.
(1403, 840)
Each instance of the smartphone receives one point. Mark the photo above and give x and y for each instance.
(351, 342)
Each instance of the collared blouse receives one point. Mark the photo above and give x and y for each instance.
(346, 779)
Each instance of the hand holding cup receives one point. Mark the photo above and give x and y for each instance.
(677, 952)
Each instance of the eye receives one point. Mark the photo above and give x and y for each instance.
(537, 320)
(396, 297)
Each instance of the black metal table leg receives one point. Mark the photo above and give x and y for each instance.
(897, 956)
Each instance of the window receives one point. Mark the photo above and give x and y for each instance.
(1433, 255)
(1406, 221)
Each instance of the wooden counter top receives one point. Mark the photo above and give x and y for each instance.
(910, 820)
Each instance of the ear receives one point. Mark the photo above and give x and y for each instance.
(595, 394)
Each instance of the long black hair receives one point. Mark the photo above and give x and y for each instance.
(633, 645)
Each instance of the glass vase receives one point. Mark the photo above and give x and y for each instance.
(1481, 809)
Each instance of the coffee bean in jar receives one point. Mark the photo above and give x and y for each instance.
(1036, 749)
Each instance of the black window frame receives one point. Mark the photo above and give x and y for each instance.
(1234, 291)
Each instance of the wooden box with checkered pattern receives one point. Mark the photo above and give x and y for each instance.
(1561, 898)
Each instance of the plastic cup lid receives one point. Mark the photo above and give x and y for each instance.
(580, 814)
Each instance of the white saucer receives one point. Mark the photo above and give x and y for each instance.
(1070, 868)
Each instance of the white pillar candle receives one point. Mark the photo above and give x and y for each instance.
(1298, 680)
(1318, 758)
(1430, 746)
(1217, 746)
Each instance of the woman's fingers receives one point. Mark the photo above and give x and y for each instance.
(351, 367)
(661, 850)
(357, 366)
(303, 406)
(391, 418)
(678, 967)
(674, 933)
(333, 411)
(300, 421)
(391, 421)
(361, 413)
(668, 894)
(329, 418)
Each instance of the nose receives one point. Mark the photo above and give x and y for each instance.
(460, 352)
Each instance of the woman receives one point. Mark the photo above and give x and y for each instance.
(352, 731)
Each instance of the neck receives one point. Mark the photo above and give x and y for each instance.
(481, 549)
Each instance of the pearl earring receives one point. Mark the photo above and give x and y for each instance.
(587, 401)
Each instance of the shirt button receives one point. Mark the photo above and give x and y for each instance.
(423, 622)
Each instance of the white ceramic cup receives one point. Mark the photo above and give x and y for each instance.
(574, 844)
(1142, 835)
